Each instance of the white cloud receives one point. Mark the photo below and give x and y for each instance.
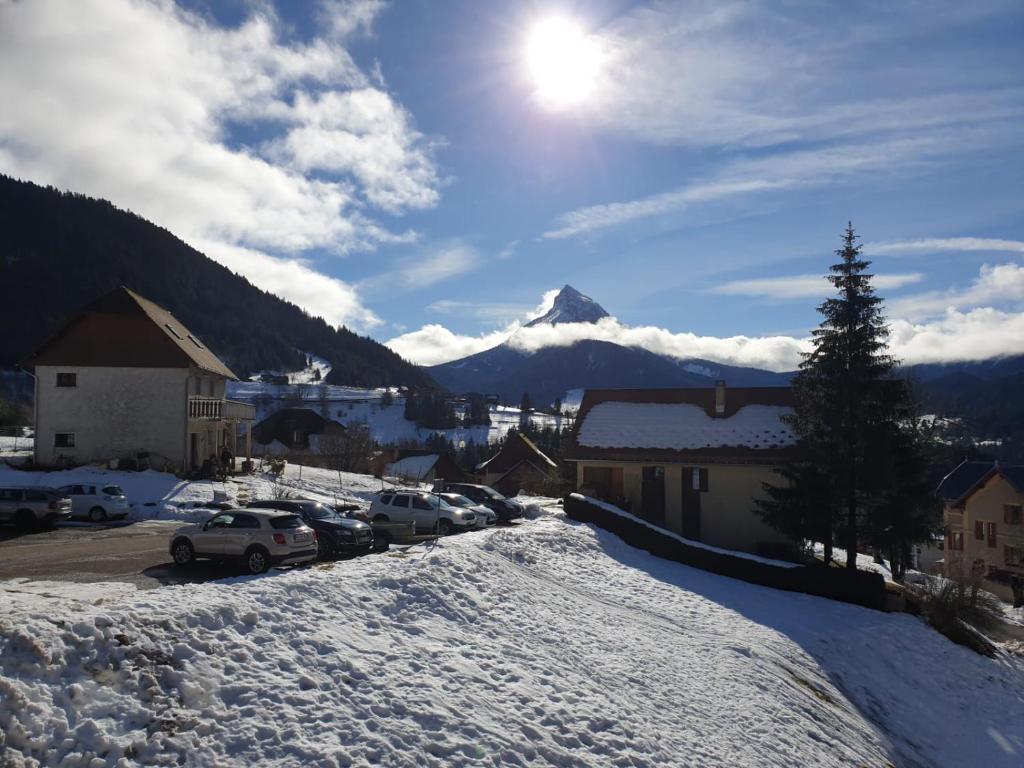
(434, 344)
(344, 18)
(979, 334)
(427, 268)
(937, 244)
(994, 285)
(748, 176)
(135, 102)
(805, 286)
(334, 300)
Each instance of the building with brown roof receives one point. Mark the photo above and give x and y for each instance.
(692, 461)
(519, 466)
(123, 379)
(984, 521)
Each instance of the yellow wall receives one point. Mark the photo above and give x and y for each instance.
(727, 508)
(986, 505)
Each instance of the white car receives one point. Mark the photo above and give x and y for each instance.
(259, 538)
(97, 502)
(423, 509)
(485, 518)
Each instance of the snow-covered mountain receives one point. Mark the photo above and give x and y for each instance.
(550, 372)
(571, 306)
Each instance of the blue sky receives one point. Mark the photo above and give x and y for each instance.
(400, 167)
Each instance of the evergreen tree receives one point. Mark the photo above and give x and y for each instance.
(412, 411)
(851, 417)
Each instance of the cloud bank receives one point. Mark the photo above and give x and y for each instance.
(139, 103)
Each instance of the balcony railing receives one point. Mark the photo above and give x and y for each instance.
(217, 409)
(204, 408)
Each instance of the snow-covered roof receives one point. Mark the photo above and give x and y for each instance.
(683, 426)
(412, 467)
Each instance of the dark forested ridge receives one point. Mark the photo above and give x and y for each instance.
(60, 250)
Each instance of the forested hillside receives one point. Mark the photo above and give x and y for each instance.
(60, 250)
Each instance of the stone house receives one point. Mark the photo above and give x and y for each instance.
(691, 461)
(124, 380)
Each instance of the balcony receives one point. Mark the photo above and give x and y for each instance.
(218, 409)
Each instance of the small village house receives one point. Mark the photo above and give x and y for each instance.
(984, 522)
(519, 466)
(416, 466)
(124, 380)
(692, 461)
(295, 429)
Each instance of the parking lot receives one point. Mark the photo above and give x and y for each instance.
(134, 553)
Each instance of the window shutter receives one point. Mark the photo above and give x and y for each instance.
(979, 530)
(704, 480)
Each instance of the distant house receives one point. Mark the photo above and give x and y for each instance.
(124, 379)
(519, 465)
(689, 460)
(293, 428)
(984, 524)
(422, 467)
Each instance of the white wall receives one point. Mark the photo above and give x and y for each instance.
(114, 413)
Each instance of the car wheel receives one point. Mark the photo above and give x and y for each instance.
(25, 520)
(97, 514)
(257, 561)
(444, 527)
(379, 518)
(324, 549)
(183, 553)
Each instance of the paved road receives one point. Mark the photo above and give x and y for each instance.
(134, 553)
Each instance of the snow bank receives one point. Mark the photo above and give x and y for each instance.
(681, 426)
(546, 644)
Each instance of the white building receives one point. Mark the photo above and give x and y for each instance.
(123, 379)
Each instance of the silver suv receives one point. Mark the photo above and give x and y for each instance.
(423, 509)
(259, 538)
(31, 507)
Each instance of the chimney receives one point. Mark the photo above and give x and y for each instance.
(720, 397)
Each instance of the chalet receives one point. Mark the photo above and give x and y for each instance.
(519, 465)
(984, 522)
(424, 467)
(297, 429)
(123, 379)
(689, 460)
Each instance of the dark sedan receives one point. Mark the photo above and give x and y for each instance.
(506, 509)
(337, 535)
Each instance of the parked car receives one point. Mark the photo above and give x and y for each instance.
(484, 517)
(259, 538)
(31, 507)
(96, 502)
(336, 534)
(424, 509)
(506, 509)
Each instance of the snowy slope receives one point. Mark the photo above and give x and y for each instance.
(307, 375)
(548, 644)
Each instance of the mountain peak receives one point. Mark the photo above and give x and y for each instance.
(571, 306)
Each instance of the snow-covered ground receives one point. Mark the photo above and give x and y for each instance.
(16, 447)
(547, 644)
(317, 370)
(387, 423)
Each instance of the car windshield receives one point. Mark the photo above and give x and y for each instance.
(458, 501)
(321, 512)
(113, 490)
(492, 493)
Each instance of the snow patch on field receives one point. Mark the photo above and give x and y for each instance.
(546, 644)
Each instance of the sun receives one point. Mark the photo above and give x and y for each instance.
(563, 62)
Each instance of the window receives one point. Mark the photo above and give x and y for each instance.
(418, 502)
(173, 331)
(285, 522)
(1012, 514)
(956, 540)
(67, 379)
(990, 534)
(385, 499)
(400, 501)
(979, 530)
(10, 494)
(64, 440)
(695, 478)
(221, 521)
(194, 341)
(1013, 556)
(245, 521)
(35, 496)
